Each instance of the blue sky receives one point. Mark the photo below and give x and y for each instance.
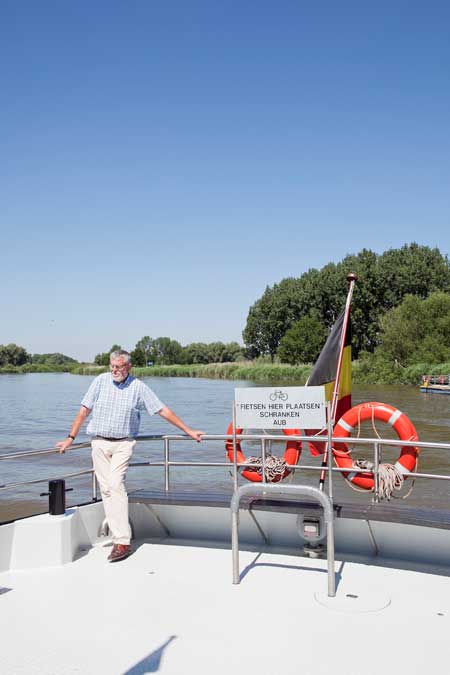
(161, 163)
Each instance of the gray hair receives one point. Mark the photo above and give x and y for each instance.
(121, 354)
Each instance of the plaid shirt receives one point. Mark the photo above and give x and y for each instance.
(116, 407)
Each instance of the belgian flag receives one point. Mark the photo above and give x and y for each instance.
(325, 372)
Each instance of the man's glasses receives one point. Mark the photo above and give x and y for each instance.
(118, 367)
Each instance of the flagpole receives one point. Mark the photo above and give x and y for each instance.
(351, 278)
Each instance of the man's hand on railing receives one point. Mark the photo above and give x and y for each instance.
(195, 434)
(168, 415)
(63, 445)
(75, 428)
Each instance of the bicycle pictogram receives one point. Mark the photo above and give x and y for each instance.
(278, 395)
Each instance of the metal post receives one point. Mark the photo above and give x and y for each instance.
(235, 545)
(56, 496)
(294, 490)
(330, 452)
(263, 459)
(94, 487)
(166, 464)
(235, 468)
(330, 560)
(376, 473)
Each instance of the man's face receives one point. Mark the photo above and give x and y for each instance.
(119, 369)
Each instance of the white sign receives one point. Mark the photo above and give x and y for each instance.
(280, 408)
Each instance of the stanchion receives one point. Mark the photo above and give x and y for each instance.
(56, 497)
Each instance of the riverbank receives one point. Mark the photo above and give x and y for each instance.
(367, 370)
(260, 372)
(35, 368)
(364, 371)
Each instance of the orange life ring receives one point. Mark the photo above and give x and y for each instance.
(291, 454)
(401, 424)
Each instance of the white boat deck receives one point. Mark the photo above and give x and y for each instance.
(172, 609)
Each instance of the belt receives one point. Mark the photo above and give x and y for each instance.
(108, 438)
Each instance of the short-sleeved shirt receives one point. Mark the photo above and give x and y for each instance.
(116, 407)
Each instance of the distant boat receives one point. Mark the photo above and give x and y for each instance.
(435, 384)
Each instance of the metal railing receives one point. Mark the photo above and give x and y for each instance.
(263, 488)
(263, 439)
(284, 490)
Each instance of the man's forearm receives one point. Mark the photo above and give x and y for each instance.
(75, 428)
(78, 421)
(170, 417)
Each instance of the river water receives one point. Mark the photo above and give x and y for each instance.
(37, 410)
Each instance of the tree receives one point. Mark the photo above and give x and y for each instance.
(383, 281)
(367, 304)
(103, 359)
(270, 317)
(3, 355)
(215, 352)
(233, 352)
(13, 355)
(138, 358)
(145, 347)
(55, 359)
(415, 270)
(417, 331)
(303, 342)
(168, 351)
(196, 352)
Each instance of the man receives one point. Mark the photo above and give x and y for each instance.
(116, 399)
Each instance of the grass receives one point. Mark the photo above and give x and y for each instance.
(365, 371)
(377, 371)
(247, 370)
(36, 368)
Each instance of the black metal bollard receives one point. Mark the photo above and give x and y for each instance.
(56, 496)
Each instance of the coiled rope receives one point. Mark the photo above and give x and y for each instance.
(389, 477)
(273, 467)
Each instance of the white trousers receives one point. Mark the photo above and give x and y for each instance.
(111, 460)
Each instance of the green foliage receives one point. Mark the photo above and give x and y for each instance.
(47, 367)
(383, 281)
(56, 359)
(370, 369)
(167, 351)
(415, 270)
(303, 342)
(89, 369)
(144, 352)
(230, 371)
(15, 359)
(214, 352)
(138, 358)
(13, 355)
(417, 330)
(37, 368)
(415, 341)
(270, 317)
(196, 352)
(374, 369)
(103, 359)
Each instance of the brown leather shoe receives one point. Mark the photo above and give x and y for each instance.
(119, 552)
